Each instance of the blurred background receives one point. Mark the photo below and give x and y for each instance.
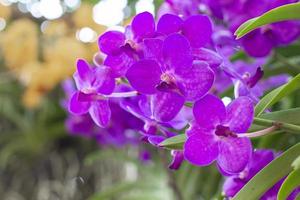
(40, 156)
(44, 152)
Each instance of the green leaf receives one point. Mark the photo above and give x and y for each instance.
(290, 116)
(285, 12)
(289, 184)
(269, 175)
(275, 95)
(175, 142)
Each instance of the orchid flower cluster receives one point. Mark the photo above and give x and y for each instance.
(159, 79)
(233, 13)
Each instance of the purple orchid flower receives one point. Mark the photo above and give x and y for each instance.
(146, 109)
(172, 79)
(214, 134)
(92, 84)
(118, 133)
(260, 42)
(260, 158)
(123, 49)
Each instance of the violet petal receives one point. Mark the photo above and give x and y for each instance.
(209, 111)
(169, 23)
(100, 112)
(196, 81)
(77, 107)
(143, 25)
(177, 52)
(201, 149)
(240, 113)
(144, 76)
(198, 29)
(166, 105)
(111, 41)
(234, 154)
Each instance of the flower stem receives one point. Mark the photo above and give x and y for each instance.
(281, 125)
(259, 133)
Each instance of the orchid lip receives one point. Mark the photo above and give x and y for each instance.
(224, 131)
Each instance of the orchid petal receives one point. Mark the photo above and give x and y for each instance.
(111, 41)
(212, 58)
(169, 23)
(240, 113)
(144, 76)
(119, 63)
(196, 81)
(153, 48)
(100, 112)
(209, 111)
(166, 105)
(198, 30)
(256, 44)
(84, 71)
(177, 52)
(201, 149)
(143, 25)
(77, 107)
(234, 154)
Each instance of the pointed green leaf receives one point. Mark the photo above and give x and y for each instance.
(269, 175)
(290, 183)
(290, 116)
(175, 142)
(275, 95)
(285, 12)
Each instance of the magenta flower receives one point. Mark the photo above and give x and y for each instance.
(92, 84)
(260, 42)
(214, 134)
(122, 49)
(196, 28)
(174, 78)
(156, 117)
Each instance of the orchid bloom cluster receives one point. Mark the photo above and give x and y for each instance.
(233, 13)
(158, 79)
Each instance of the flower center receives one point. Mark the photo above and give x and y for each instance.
(165, 77)
(167, 83)
(224, 131)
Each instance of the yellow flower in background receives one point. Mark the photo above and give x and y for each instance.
(42, 57)
(27, 72)
(56, 28)
(64, 51)
(31, 98)
(5, 12)
(43, 78)
(20, 43)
